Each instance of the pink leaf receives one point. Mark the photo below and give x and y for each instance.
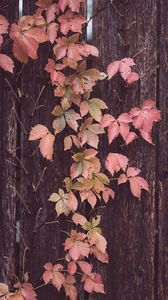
(107, 194)
(4, 24)
(122, 179)
(38, 132)
(132, 172)
(72, 202)
(113, 68)
(85, 267)
(113, 132)
(72, 267)
(79, 219)
(132, 77)
(115, 162)
(47, 146)
(130, 137)
(6, 63)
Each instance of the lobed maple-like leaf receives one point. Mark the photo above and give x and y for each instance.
(137, 183)
(116, 162)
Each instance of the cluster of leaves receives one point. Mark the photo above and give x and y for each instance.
(61, 24)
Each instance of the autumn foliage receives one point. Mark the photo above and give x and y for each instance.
(87, 119)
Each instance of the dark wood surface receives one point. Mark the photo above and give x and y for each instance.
(8, 164)
(136, 230)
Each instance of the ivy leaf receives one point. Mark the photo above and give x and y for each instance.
(137, 183)
(116, 162)
(85, 163)
(72, 267)
(73, 4)
(46, 140)
(103, 257)
(76, 245)
(6, 63)
(53, 274)
(59, 124)
(4, 24)
(70, 289)
(70, 21)
(27, 38)
(89, 133)
(61, 200)
(144, 117)
(72, 202)
(47, 146)
(124, 67)
(107, 194)
(93, 283)
(79, 219)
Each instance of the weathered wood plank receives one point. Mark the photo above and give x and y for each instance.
(123, 29)
(162, 167)
(45, 242)
(8, 170)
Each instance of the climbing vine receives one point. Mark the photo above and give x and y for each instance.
(86, 118)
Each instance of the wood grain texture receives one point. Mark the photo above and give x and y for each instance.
(44, 242)
(122, 30)
(162, 167)
(8, 170)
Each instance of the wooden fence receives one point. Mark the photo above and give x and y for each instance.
(137, 232)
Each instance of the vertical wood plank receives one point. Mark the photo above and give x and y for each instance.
(43, 242)
(163, 152)
(8, 170)
(123, 29)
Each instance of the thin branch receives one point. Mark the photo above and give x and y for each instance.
(21, 199)
(20, 122)
(11, 88)
(37, 100)
(40, 180)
